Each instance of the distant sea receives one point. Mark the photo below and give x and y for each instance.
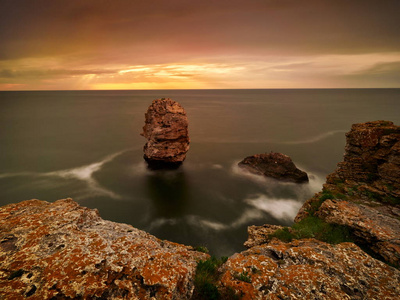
(87, 145)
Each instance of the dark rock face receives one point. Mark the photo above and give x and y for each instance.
(166, 130)
(61, 250)
(275, 165)
(372, 155)
(363, 193)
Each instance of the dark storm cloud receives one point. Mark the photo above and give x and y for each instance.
(160, 31)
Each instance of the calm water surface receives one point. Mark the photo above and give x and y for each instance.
(86, 145)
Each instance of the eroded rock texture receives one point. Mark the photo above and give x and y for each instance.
(309, 269)
(276, 165)
(258, 235)
(166, 130)
(61, 250)
(372, 155)
(363, 193)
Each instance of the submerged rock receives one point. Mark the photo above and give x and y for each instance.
(166, 130)
(61, 250)
(276, 165)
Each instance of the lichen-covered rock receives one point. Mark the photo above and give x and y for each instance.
(61, 250)
(379, 231)
(166, 130)
(363, 193)
(309, 269)
(258, 235)
(372, 155)
(275, 165)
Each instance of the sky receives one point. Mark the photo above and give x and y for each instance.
(199, 44)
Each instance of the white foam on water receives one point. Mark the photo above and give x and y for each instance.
(243, 172)
(161, 222)
(85, 173)
(247, 216)
(281, 209)
(198, 221)
(18, 174)
(308, 140)
(213, 225)
(314, 139)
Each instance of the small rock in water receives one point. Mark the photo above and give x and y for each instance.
(166, 130)
(276, 165)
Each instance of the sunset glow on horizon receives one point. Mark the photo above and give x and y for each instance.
(96, 45)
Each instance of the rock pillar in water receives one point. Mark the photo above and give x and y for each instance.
(166, 130)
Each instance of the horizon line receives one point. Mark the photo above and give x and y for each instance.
(204, 89)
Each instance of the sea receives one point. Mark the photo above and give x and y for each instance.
(86, 145)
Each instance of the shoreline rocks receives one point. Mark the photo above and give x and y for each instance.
(363, 193)
(61, 250)
(275, 165)
(308, 269)
(166, 130)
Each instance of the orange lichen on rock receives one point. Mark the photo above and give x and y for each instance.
(363, 193)
(63, 250)
(309, 269)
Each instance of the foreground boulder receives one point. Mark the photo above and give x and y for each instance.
(276, 165)
(61, 250)
(308, 269)
(363, 193)
(166, 130)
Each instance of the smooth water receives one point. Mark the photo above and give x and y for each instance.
(87, 145)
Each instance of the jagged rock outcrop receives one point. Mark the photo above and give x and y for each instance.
(363, 193)
(61, 250)
(166, 130)
(276, 165)
(372, 155)
(309, 269)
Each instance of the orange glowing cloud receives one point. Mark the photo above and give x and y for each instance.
(98, 44)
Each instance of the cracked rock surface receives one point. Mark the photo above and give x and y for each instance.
(309, 269)
(61, 250)
(166, 131)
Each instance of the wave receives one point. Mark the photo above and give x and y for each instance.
(161, 222)
(314, 184)
(85, 173)
(82, 173)
(309, 140)
(18, 174)
(315, 138)
(281, 209)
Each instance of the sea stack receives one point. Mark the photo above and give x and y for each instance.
(166, 130)
(275, 165)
